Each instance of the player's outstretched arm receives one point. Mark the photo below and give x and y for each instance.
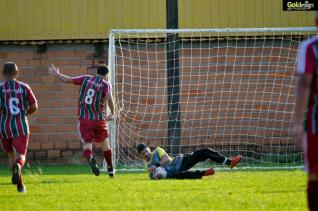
(56, 72)
(164, 160)
(110, 103)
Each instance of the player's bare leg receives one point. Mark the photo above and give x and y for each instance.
(17, 177)
(12, 164)
(88, 153)
(10, 151)
(20, 145)
(108, 157)
(11, 158)
(312, 191)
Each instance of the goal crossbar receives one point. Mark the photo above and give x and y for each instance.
(223, 30)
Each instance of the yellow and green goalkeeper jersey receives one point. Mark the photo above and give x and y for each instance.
(173, 166)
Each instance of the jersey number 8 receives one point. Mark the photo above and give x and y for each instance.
(89, 96)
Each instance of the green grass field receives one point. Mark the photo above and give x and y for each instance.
(75, 188)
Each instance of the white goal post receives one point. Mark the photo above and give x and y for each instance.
(231, 90)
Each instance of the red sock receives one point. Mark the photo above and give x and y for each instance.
(312, 195)
(88, 153)
(20, 161)
(108, 157)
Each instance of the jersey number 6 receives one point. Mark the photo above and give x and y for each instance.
(13, 105)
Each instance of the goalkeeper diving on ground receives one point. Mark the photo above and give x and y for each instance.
(179, 166)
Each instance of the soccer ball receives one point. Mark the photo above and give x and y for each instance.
(160, 173)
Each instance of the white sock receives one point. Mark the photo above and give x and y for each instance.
(225, 160)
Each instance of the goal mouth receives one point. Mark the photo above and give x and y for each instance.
(228, 89)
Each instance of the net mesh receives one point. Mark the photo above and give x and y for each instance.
(236, 94)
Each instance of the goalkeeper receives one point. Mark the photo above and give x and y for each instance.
(178, 167)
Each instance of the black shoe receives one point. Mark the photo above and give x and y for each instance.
(21, 189)
(94, 166)
(111, 172)
(16, 174)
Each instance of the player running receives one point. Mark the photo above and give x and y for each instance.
(94, 91)
(16, 102)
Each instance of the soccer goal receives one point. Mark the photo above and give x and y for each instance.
(232, 90)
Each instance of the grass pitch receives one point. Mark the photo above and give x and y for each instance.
(75, 188)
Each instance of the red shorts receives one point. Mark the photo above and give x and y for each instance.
(19, 144)
(310, 146)
(90, 130)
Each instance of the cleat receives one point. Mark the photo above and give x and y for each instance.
(235, 161)
(21, 189)
(208, 172)
(16, 174)
(111, 172)
(94, 166)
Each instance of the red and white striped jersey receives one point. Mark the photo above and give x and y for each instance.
(92, 96)
(15, 98)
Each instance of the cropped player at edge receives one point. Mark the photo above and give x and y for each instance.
(16, 102)
(160, 165)
(306, 129)
(94, 91)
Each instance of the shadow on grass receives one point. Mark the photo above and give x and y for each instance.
(6, 183)
(49, 170)
(37, 181)
(281, 191)
(58, 170)
(58, 181)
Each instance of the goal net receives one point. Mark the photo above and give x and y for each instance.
(232, 90)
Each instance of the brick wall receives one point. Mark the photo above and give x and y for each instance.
(54, 126)
(228, 101)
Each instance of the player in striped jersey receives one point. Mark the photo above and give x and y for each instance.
(16, 102)
(306, 132)
(94, 96)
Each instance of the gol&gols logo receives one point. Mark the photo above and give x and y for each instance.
(300, 5)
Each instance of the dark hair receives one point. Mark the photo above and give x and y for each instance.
(102, 69)
(140, 147)
(10, 69)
